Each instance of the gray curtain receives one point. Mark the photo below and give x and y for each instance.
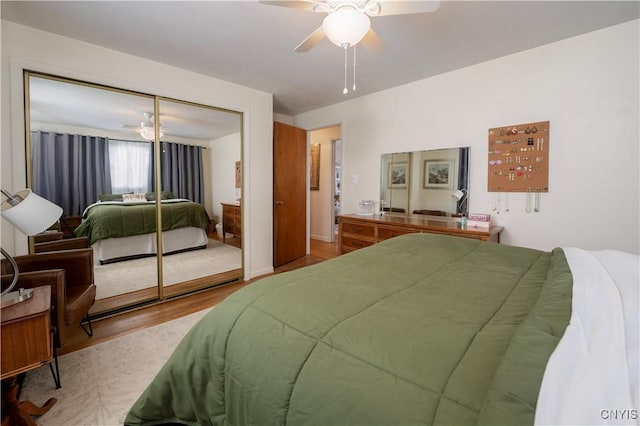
(181, 170)
(70, 170)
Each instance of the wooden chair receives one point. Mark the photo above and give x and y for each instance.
(49, 235)
(61, 244)
(394, 210)
(72, 297)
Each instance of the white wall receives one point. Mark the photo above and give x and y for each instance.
(225, 153)
(321, 201)
(26, 48)
(587, 87)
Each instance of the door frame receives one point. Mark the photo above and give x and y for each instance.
(323, 229)
(336, 144)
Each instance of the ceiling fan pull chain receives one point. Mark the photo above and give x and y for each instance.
(354, 67)
(345, 91)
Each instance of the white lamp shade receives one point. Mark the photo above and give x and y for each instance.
(346, 26)
(458, 194)
(33, 214)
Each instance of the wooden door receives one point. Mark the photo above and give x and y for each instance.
(289, 193)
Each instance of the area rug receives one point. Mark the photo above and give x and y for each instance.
(130, 275)
(101, 383)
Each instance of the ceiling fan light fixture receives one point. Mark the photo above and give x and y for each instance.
(147, 133)
(147, 130)
(346, 26)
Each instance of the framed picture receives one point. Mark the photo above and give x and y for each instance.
(314, 173)
(238, 175)
(438, 174)
(397, 175)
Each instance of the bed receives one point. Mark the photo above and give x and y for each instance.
(120, 230)
(419, 329)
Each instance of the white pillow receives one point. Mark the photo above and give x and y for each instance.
(134, 198)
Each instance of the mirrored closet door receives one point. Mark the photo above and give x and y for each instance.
(117, 172)
(199, 149)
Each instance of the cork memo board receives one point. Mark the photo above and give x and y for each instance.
(519, 158)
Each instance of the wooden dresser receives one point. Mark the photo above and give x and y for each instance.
(356, 231)
(231, 220)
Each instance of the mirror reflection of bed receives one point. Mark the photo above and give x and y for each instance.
(115, 172)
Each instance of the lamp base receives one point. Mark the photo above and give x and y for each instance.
(15, 297)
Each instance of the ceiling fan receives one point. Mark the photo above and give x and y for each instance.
(146, 128)
(347, 22)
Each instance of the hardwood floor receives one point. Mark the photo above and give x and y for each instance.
(111, 327)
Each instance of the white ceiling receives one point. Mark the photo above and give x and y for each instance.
(252, 44)
(60, 103)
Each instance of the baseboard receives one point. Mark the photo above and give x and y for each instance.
(259, 273)
(324, 238)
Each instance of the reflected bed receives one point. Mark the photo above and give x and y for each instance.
(125, 230)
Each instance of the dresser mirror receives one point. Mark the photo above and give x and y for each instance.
(91, 146)
(430, 182)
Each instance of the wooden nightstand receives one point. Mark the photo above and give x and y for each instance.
(27, 343)
(231, 220)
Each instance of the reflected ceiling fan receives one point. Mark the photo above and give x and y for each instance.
(146, 128)
(348, 21)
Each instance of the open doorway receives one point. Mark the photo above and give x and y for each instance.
(324, 189)
(337, 184)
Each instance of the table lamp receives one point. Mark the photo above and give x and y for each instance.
(31, 214)
(461, 196)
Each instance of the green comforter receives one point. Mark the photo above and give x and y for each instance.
(420, 329)
(118, 219)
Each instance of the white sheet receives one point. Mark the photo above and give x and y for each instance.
(173, 240)
(592, 376)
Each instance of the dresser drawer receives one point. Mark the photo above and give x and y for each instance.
(359, 229)
(354, 243)
(470, 236)
(386, 233)
(357, 232)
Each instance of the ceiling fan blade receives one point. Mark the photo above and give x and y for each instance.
(371, 42)
(296, 4)
(313, 39)
(402, 7)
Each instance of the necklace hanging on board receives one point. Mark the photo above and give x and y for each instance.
(496, 202)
